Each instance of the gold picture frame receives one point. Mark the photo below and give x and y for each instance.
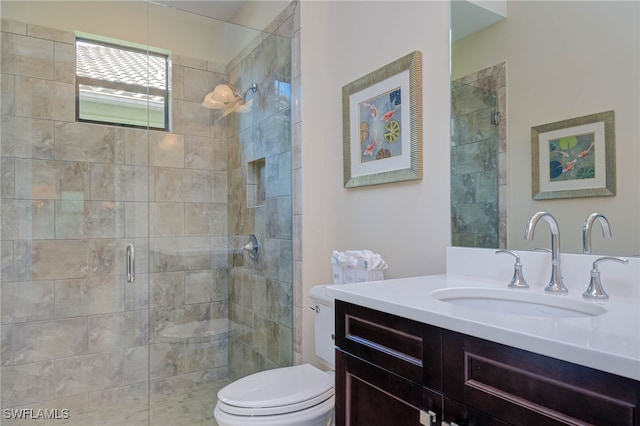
(574, 158)
(382, 132)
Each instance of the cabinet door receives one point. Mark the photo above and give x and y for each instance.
(367, 395)
(463, 415)
(521, 387)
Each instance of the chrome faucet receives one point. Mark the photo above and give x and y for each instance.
(555, 282)
(518, 280)
(595, 289)
(586, 230)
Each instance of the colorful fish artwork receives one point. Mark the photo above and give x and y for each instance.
(569, 166)
(380, 126)
(572, 157)
(369, 149)
(373, 108)
(586, 151)
(386, 117)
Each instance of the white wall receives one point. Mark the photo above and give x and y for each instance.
(407, 223)
(566, 60)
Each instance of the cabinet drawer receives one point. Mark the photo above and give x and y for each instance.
(407, 348)
(368, 395)
(521, 387)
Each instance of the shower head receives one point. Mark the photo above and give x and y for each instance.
(239, 106)
(224, 97)
(253, 88)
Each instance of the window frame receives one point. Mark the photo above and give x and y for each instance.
(133, 88)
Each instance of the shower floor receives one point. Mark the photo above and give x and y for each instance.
(193, 407)
(190, 406)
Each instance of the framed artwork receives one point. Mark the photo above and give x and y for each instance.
(382, 124)
(574, 158)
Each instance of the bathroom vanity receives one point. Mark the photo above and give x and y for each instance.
(391, 370)
(407, 356)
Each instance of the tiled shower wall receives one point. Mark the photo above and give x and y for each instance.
(261, 292)
(478, 159)
(73, 195)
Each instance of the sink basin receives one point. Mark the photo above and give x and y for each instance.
(519, 302)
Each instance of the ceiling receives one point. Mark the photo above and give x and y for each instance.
(468, 17)
(224, 10)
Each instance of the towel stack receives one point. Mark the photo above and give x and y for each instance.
(357, 266)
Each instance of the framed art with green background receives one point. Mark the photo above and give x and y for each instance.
(574, 158)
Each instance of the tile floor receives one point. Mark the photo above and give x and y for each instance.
(192, 406)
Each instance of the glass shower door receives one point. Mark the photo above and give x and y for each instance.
(78, 339)
(74, 196)
(219, 176)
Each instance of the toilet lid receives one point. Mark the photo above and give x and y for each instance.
(277, 391)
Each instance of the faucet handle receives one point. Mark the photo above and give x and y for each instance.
(518, 280)
(252, 247)
(595, 289)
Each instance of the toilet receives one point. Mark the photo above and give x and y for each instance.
(288, 396)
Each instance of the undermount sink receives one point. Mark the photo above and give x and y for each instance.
(520, 302)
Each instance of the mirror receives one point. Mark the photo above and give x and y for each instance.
(562, 60)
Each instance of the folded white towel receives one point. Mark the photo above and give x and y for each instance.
(367, 259)
(377, 264)
(347, 261)
(360, 253)
(357, 266)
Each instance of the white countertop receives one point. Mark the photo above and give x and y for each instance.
(609, 342)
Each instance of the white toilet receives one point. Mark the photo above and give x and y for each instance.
(302, 395)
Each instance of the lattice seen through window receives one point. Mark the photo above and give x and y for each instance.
(121, 85)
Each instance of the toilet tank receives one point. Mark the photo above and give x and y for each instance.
(324, 325)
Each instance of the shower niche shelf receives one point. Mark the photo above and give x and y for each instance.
(256, 178)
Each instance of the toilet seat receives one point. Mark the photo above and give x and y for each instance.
(272, 411)
(278, 391)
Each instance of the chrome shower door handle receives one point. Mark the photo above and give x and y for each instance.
(131, 263)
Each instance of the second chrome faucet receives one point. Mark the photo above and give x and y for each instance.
(555, 282)
(588, 225)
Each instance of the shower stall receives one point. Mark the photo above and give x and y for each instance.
(126, 296)
(478, 159)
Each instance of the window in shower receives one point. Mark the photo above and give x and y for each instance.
(120, 84)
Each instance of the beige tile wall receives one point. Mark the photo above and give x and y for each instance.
(261, 292)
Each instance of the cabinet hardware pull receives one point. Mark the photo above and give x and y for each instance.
(428, 417)
(131, 263)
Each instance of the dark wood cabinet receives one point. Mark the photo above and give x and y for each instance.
(461, 414)
(395, 371)
(407, 348)
(522, 387)
(368, 395)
